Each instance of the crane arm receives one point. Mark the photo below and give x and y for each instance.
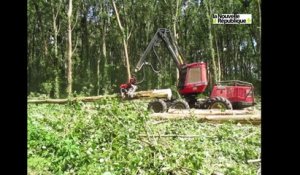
(162, 34)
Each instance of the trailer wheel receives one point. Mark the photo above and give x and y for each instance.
(180, 104)
(157, 106)
(219, 103)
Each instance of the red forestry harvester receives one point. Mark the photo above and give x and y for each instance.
(192, 81)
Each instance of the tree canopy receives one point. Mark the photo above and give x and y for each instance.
(98, 58)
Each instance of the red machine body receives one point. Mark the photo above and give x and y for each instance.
(239, 93)
(124, 86)
(129, 88)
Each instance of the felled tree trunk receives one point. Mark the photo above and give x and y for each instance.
(156, 93)
(210, 111)
(62, 101)
(160, 93)
(242, 118)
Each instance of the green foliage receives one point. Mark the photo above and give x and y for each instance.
(104, 138)
(202, 96)
(46, 88)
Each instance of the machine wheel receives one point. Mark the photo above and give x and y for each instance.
(157, 106)
(219, 103)
(180, 104)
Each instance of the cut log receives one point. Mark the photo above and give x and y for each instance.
(253, 119)
(156, 93)
(62, 101)
(58, 101)
(210, 111)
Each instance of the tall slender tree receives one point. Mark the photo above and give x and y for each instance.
(56, 29)
(124, 39)
(210, 39)
(70, 51)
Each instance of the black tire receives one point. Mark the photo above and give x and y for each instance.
(180, 104)
(157, 106)
(219, 103)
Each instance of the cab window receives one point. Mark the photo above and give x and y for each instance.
(194, 75)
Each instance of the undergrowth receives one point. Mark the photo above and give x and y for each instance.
(113, 137)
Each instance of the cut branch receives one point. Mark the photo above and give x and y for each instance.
(170, 135)
(253, 161)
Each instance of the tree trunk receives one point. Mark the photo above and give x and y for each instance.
(103, 78)
(236, 58)
(175, 20)
(259, 39)
(176, 36)
(251, 119)
(211, 46)
(69, 55)
(98, 74)
(57, 60)
(123, 39)
(219, 62)
(104, 53)
(87, 57)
